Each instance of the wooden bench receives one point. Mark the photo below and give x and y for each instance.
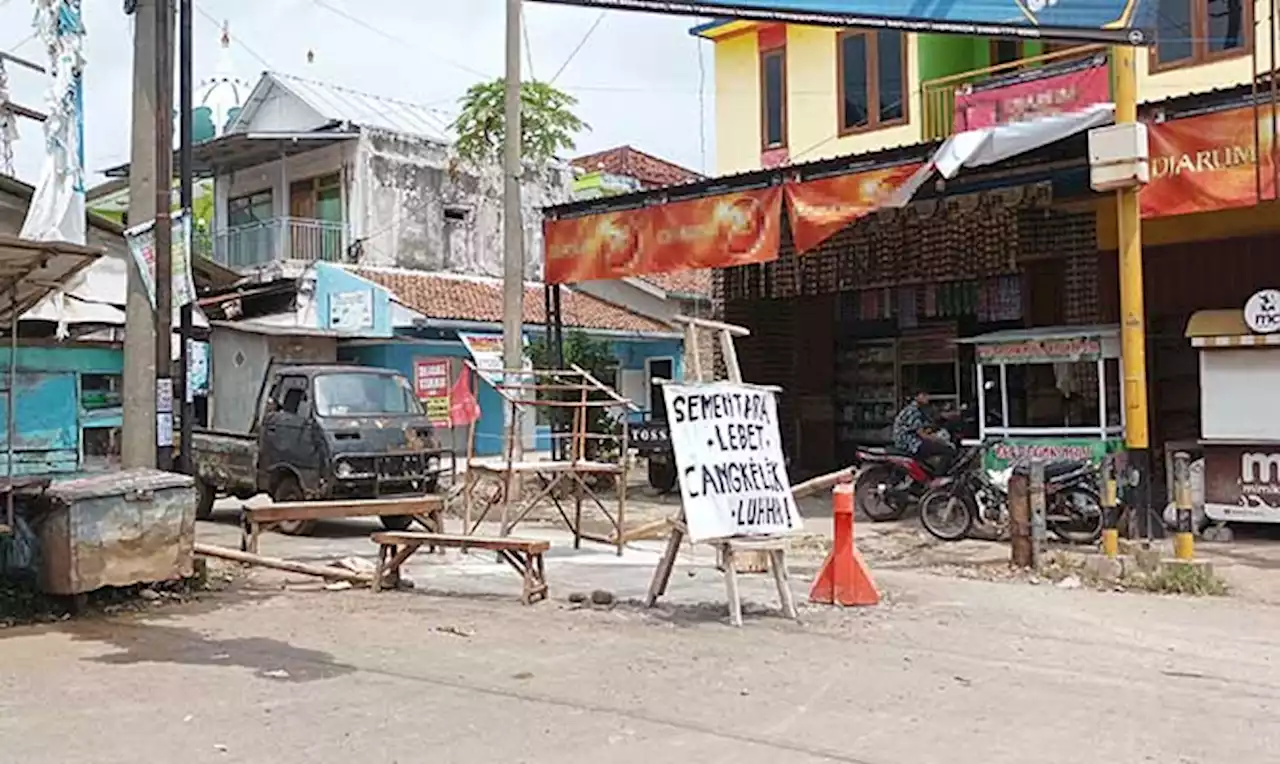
(524, 555)
(427, 510)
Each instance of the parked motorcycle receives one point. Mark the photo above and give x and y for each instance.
(972, 496)
(890, 481)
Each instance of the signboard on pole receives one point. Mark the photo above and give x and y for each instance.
(733, 478)
(1124, 21)
(486, 351)
(431, 385)
(142, 248)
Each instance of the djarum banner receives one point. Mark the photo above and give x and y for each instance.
(1094, 20)
(1210, 162)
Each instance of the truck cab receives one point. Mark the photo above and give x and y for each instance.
(325, 432)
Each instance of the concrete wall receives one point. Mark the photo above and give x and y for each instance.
(425, 210)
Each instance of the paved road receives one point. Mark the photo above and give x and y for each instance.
(954, 671)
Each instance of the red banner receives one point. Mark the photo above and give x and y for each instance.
(1033, 94)
(1209, 162)
(820, 208)
(431, 384)
(714, 232)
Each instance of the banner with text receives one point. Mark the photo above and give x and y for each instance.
(1209, 162)
(733, 478)
(712, 232)
(1125, 21)
(431, 384)
(142, 248)
(1033, 93)
(820, 208)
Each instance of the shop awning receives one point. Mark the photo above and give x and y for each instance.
(29, 270)
(1225, 329)
(990, 145)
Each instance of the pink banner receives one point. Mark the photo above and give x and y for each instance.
(1033, 93)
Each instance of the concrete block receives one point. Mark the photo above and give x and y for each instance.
(1102, 568)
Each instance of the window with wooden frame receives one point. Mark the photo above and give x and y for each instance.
(773, 98)
(872, 75)
(1193, 32)
(317, 198)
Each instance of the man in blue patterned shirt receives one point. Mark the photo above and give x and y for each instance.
(913, 433)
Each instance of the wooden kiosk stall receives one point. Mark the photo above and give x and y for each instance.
(1239, 427)
(1051, 392)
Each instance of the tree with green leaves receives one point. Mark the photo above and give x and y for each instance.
(547, 122)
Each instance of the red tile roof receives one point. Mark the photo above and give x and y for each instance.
(469, 298)
(651, 171)
(683, 283)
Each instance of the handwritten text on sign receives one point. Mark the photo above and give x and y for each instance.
(733, 478)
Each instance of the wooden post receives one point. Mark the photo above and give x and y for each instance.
(1039, 526)
(1020, 521)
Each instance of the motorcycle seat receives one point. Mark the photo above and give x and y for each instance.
(1053, 469)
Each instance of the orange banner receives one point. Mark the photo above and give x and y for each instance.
(1209, 162)
(820, 208)
(714, 232)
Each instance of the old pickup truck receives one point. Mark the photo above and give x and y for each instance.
(323, 432)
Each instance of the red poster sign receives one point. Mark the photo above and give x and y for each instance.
(431, 384)
(1208, 163)
(1033, 94)
(820, 208)
(713, 232)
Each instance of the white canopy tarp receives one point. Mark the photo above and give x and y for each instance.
(989, 145)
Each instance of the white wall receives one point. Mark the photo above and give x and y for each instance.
(1238, 393)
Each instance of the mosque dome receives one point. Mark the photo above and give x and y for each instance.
(218, 98)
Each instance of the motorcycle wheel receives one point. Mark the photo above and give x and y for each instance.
(869, 495)
(946, 515)
(1085, 509)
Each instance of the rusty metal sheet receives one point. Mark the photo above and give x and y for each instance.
(117, 529)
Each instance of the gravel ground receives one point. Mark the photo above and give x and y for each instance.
(279, 670)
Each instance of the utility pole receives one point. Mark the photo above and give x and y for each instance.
(138, 447)
(164, 234)
(1133, 331)
(512, 224)
(186, 321)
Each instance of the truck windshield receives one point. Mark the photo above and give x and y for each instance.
(350, 394)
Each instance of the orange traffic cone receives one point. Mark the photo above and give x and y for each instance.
(844, 579)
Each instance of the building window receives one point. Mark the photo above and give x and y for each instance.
(773, 98)
(1006, 52)
(872, 72)
(1191, 32)
(251, 208)
(317, 198)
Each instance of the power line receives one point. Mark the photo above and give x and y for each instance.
(417, 47)
(581, 43)
(213, 20)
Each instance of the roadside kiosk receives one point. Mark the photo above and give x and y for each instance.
(1050, 392)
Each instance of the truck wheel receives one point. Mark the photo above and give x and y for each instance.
(205, 496)
(396, 522)
(287, 489)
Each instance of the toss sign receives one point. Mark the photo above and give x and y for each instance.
(733, 479)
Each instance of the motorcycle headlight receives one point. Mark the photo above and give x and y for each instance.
(344, 470)
(433, 463)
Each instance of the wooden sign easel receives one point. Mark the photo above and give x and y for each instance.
(751, 553)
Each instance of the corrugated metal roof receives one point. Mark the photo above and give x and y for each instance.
(340, 104)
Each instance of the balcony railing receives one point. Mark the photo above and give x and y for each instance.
(252, 244)
(939, 96)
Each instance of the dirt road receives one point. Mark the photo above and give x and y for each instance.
(947, 670)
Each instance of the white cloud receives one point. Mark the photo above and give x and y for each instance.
(637, 77)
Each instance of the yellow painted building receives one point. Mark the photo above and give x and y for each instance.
(780, 91)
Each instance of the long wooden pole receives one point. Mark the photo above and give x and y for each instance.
(235, 555)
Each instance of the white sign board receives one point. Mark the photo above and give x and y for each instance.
(733, 479)
(1262, 311)
(351, 311)
(486, 351)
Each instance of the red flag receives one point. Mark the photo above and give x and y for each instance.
(463, 408)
